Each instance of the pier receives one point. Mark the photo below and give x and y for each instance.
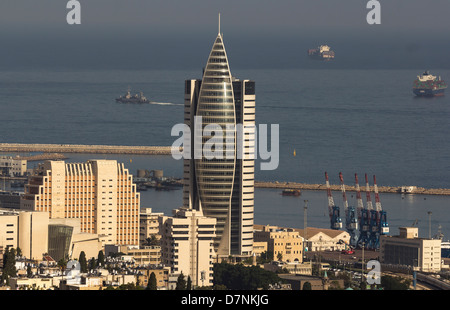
(381, 189)
(87, 149)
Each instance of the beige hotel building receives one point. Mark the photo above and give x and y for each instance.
(100, 193)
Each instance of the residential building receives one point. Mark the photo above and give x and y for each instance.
(12, 167)
(9, 200)
(219, 179)
(161, 273)
(187, 245)
(100, 193)
(409, 250)
(143, 255)
(318, 239)
(148, 226)
(284, 244)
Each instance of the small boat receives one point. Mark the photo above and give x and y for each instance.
(291, 192)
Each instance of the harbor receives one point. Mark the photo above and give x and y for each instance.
(58, 151)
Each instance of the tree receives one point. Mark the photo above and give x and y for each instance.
(151, 285)
(62, 263)
(265, 257)
(189, 283)
(151, 241)
(83, 262)
(307, 286)
(280, 257)
(181, 283)
(92, 263)
(101, 258)
(394, 283)
(240, 277)
(29, 271)
(9, 265)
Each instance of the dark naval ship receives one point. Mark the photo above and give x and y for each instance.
(136, 98)
(427, 85)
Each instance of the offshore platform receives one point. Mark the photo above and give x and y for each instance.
(365, 225)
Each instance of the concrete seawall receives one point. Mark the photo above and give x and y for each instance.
(88, 149)
(381, 189)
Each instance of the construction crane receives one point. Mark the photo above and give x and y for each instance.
(363, 217)
(333, 210)
(351, 220)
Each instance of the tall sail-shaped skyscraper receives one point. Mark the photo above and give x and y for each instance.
(222, 187)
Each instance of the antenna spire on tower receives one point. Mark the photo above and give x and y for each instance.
(219, 23)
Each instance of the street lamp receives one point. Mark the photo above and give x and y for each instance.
(305, 211)
(429, 224)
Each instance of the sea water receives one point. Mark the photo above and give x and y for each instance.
(349, 121)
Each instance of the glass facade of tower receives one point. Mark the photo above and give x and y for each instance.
(222, 188)
(215, 170)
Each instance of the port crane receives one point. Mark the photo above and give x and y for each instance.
(373, 218)
(383, 226)
(351, 220)
(377, 218)
(363, 217)
(333, 210)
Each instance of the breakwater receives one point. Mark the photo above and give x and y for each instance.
(87, 149)
(166, 150)
(381, 189)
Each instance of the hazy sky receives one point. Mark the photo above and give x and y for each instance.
(258, 16)
(160, 26)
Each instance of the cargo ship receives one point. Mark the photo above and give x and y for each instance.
(290, 192)
(323, 52)
(427, 85)
(128, 98)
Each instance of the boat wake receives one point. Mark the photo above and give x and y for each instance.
(164, 103)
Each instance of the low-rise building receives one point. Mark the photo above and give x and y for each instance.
(12, 167)
(407, 249)
(323, 239)
(149, 226)
(144, 255)
(187, 245)
(36, 234)
(284, 243)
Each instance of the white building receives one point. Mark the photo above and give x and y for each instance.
(187, 245)
(408, 249)
(11, 167)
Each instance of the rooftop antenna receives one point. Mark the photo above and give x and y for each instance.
(219, 23)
